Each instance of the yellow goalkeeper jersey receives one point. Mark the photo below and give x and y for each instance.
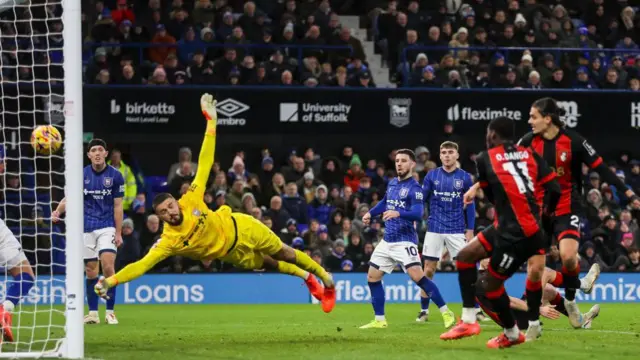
(202, 235)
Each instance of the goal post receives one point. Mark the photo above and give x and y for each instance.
(38, 88)
(73, 345)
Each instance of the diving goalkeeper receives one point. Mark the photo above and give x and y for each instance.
(194, 231)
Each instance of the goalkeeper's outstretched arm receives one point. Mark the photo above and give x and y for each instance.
(134, 270)
(207, 151)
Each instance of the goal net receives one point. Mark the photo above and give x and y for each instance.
(32, 88)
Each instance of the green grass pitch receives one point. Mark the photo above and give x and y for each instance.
(305, 332)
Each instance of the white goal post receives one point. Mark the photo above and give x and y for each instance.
(48, 323)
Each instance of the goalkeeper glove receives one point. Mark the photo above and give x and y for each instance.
(102, 287)
(208, 106)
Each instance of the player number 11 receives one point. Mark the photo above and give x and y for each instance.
(520, 182)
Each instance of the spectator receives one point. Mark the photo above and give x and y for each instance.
(320, 209)
(203, 13)
(249, 203)
(583, 81)
(295, 205)
(558, 80)
(184, 174)
(158, 54)
(130, 251)
(150, 233)
(333, 262)
(223, 67)
(307, 186)
(122, 13)
(277, 214)
(354, 174)
(234, 197)
(322, 243)
(611, 81)
(289, 232)
(200, 72)
(339, 57)
(590, 257)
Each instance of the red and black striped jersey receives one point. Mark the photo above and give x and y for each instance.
(565, 153)
(510, 175)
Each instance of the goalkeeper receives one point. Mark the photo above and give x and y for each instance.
(194, 231)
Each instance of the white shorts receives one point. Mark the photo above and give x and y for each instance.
(386, 256)
(434, 245)
(11, 254)
(98, 241)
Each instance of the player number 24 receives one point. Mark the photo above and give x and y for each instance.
(525, 184)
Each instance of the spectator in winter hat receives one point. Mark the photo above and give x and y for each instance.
(590, 256)
(355, 173)
(347, 265)
(320, 208)
(219, 199)
(333, 262)
(634, 177)
(308, 186)
(297, 243)
(158, 54)
(238, 171)
(582, 79)
(322, 243)
(289, 232)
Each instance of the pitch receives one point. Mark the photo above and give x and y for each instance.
(305, 332)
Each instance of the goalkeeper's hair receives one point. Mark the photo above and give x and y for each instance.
(97, 142)
(158, 199)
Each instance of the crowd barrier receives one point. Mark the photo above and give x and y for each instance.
(260, 288)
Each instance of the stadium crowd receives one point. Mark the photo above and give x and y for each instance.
(223, 42)
(316, 204)
(453, 43)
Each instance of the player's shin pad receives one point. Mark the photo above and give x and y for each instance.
(571, 281)
(534, 299)
(501, 303)
(467, 277)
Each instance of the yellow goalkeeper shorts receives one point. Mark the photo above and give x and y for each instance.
(254, 241)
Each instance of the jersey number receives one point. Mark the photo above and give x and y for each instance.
(506, 261)
(524, 185)
(411, 251)
(575, 221)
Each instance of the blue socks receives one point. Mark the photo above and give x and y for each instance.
(424, 303)
(431, 289)
(92, 297)
(377, 298)
(111, 302)
(19, 287)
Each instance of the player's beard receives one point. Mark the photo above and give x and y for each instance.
(402, 175)
(177, 220)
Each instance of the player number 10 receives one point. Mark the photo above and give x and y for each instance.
(411, 251)
(520, 182)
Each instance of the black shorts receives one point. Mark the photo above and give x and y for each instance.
(562, 227)
(506, 255)
(522, 320)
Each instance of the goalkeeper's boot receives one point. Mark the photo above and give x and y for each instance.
(502, 341)
(587, 318)
(375, 324)
(6, 322)
(461, 330)
(329, 296)
(315, 288)
(575, 317)
(587, 282)
(449, 319)
(111, 318)
(423, 316)
(92, 318)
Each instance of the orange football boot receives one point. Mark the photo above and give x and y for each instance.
(461, 330)
(315, 288)
(502, 341)
(6, 322)
(328, 299)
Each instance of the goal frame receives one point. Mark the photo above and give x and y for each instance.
(72, 347)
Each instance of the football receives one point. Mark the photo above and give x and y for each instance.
(46, 139)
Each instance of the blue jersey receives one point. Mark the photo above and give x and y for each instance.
(406, 198)
(444, 191)
(100, 190)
